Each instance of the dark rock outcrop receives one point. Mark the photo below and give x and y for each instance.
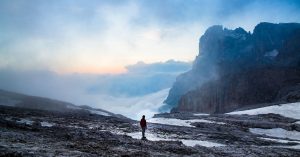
(237, 69)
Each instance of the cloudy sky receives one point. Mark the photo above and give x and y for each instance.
(118, 55)
(95, 36)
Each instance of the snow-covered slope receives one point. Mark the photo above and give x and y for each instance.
(291, 110)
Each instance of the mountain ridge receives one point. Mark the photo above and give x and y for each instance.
(235, 69)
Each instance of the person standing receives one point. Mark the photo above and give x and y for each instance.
(143, 124)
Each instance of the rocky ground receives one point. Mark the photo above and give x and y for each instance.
(25, 132)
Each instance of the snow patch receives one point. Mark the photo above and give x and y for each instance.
(291, 147)
(151, 137)
(284, 141)
(279, 140)
(179, 122)
(30, 122)
(46, 124)
(25, 121)
(99, 112)
(277, 132)
(201, 114)
(191, 143)
(291, 110)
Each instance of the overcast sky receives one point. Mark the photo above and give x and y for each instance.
(95, 36)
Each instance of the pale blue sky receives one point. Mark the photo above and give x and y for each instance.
(97, 36)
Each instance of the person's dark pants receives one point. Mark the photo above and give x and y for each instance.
(143, 131)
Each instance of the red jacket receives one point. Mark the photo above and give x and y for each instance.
(143, 123)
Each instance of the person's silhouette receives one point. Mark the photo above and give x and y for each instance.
(143, 124)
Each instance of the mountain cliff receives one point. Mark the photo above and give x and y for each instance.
(236, 69)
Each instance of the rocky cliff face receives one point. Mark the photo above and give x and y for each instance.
(236, 69)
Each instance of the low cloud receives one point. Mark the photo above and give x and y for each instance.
(140, 79)
(139, 91)
(170, 66)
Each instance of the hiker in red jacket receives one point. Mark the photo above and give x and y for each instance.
(143, 124)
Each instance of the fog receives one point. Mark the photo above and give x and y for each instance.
(141, 90)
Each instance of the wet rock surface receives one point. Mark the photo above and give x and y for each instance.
(28, 132)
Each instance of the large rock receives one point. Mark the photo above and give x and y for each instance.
(237, 69)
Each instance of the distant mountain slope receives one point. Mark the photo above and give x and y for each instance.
(40, 103)
(236, 69)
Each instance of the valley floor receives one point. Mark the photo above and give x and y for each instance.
(25, 132)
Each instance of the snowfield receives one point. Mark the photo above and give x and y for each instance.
(179, 122)
(46, 124)
(291, 110)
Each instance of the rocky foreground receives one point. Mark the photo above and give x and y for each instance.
(29, 132)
